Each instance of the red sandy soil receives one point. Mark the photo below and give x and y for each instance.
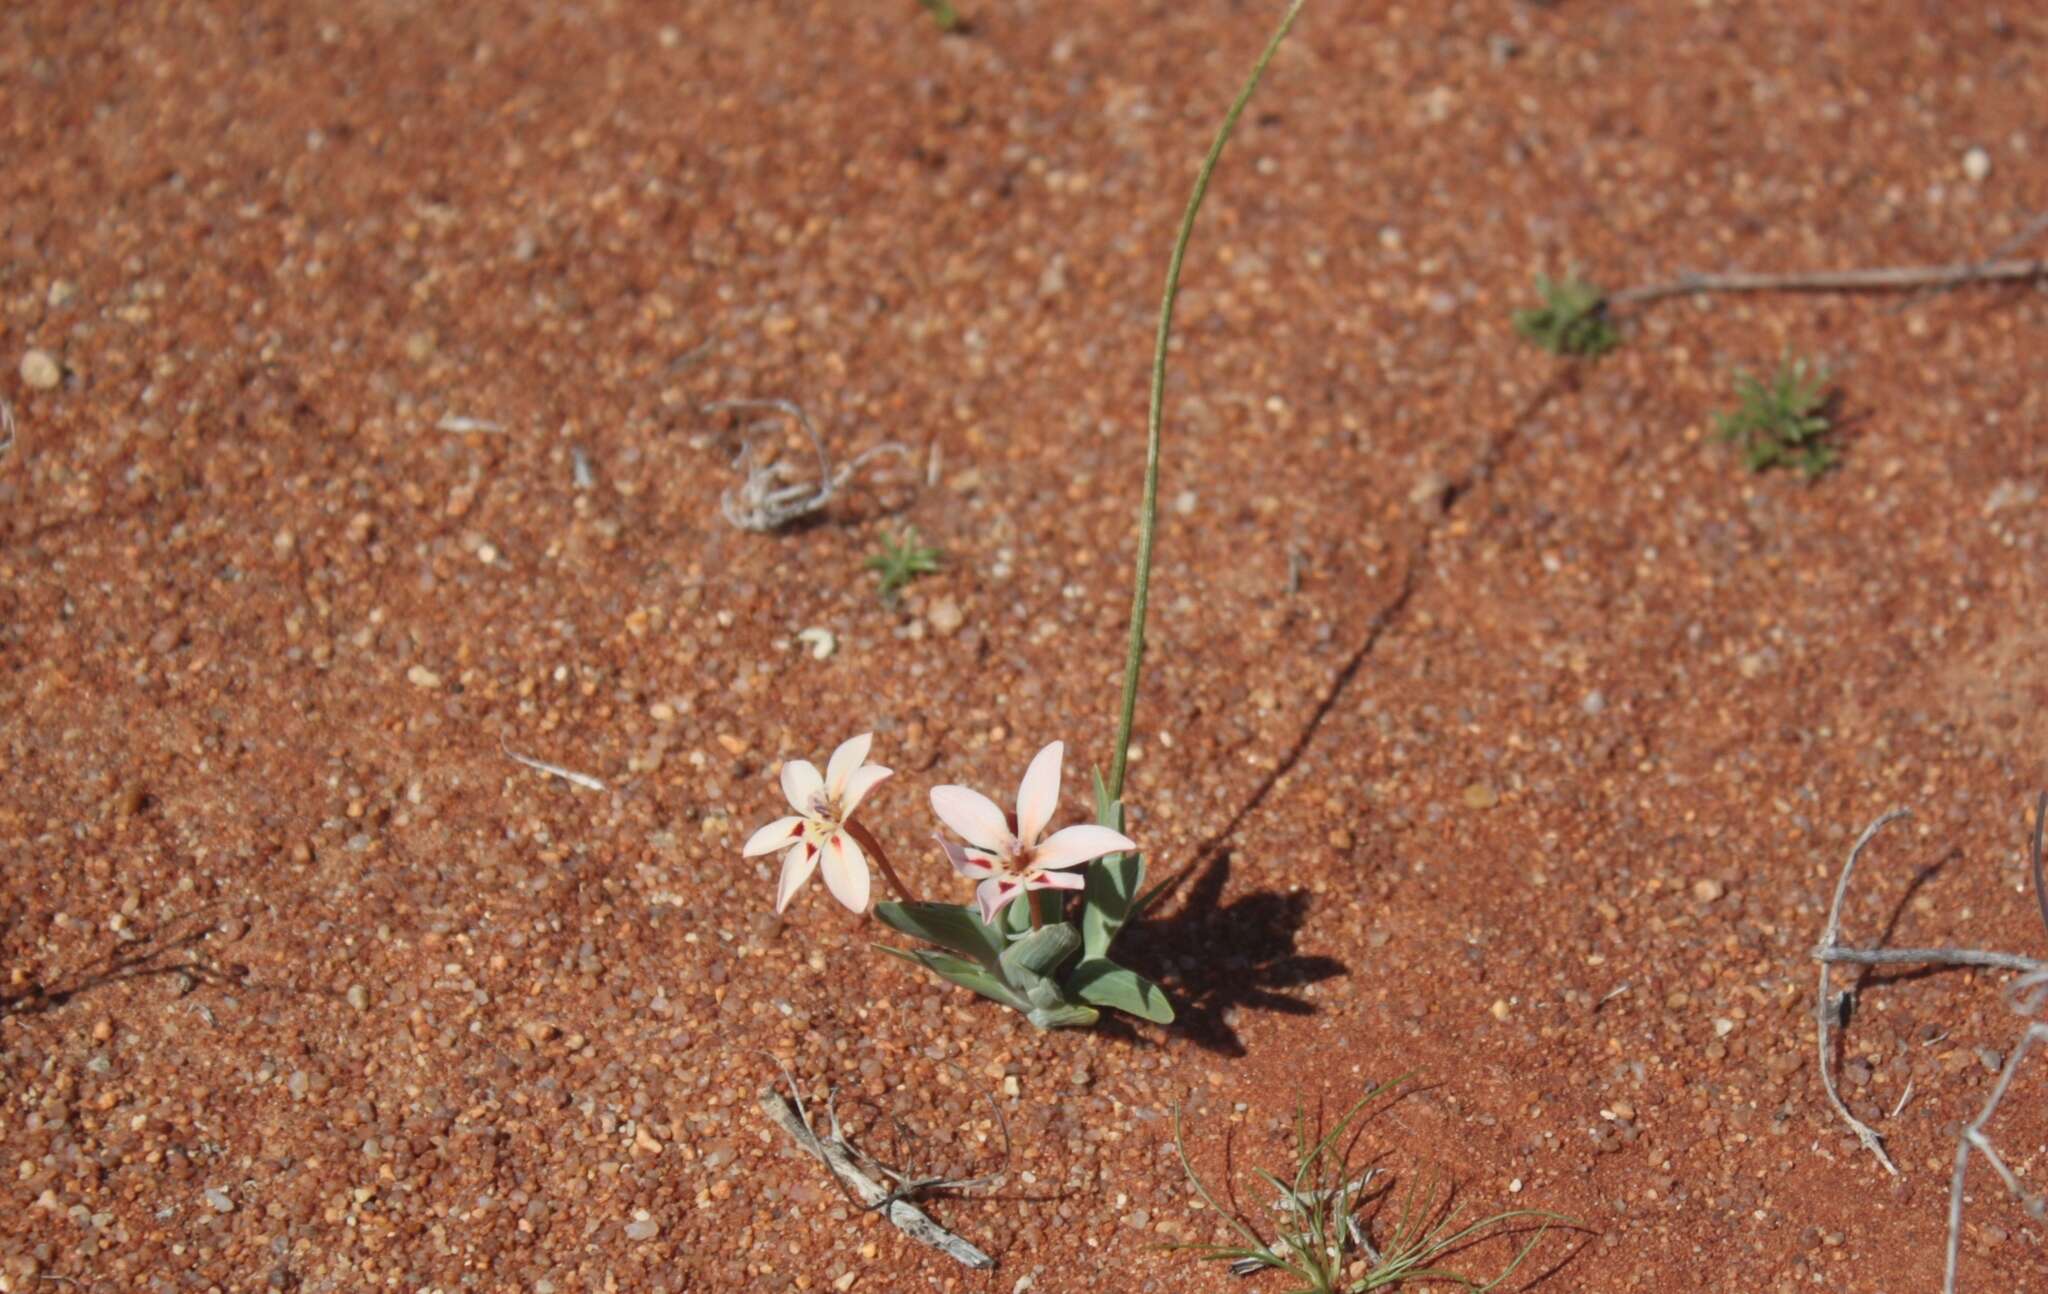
(1508, 733)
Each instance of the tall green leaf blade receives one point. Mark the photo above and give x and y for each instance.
(1105, 983)
(948, 925)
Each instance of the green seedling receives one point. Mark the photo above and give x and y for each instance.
(1783, 423)
(1571, 321)
(1327, 1213)
(901, 559)
(944, 14)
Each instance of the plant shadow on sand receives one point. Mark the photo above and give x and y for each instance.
(1246, 958)
(1260, 929)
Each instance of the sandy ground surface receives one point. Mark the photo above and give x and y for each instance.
(1505, 731)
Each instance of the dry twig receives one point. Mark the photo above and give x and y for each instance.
(789, 1115)
(2027, 996)
(770, 495)
(1888, 279)
(584, 780)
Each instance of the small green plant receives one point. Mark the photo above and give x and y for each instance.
(943, 13)
(1324, 1241)
(1047, 957)
(901, 559)
(1571, 321)
(1783, 423)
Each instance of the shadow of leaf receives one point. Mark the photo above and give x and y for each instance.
(1245, 956)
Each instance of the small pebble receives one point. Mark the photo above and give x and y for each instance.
(1976, 165)
(1431, 495)
(642, 1228)
(1595, 702)
(1479, 795)
(421, 676)
(358, 997)
(945, 616)
(819, 640)
(217, 1199)
(1706, 889)
(40, 371)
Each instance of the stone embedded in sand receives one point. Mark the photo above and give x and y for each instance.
(945, 617)
(40, 371)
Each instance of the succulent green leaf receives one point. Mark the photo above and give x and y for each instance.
(1113, 883)
(964, 973)
(948, 925)
(1015, 918)
(1040, 952)
(1105, 983)
(1063, 1017)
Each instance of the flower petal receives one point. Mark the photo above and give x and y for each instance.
(994, 894)
(801, 784)
(1057, 881)
(963, 862)
(852, 753)
(796, 869)
(973, 817)
(846, 871)
(782, 831)
(864, 779)
(1073, 845)
(1038, 795)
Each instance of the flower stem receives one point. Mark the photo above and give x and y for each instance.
(866, 840)
(1148, 509)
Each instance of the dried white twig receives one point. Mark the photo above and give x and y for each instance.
(6, 426)
(2027, 996)
(770, 495)
(788, 1114)
(1893, 279)
(914, 1186)
(584, 780)
(1904, 1097)
(1825, 1010)
(457, 424)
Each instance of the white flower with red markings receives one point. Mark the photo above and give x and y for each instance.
(1007, 857)
(818, 834)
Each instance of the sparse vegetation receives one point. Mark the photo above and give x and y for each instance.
(1324, 1240)
(1571, 321)
(1783, 423)
(901, 559)
(943, 13)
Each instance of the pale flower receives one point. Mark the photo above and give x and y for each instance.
(1008, 862)
(818, 832)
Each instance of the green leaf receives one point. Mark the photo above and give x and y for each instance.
(1040, 952)
(1063, 1017)
(948, 925)
(1105, 983)
(1111, 897)
(962, 972)
(1042, 992)
(1113, 882)
(1015, 919)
